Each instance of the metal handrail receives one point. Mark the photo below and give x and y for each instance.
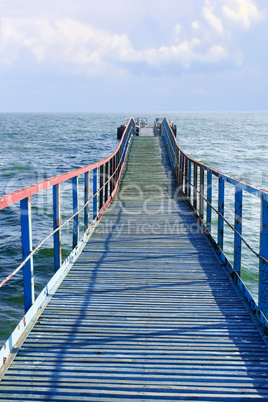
(186, 171)
(114, 164)
(227, 222)
(18, 195)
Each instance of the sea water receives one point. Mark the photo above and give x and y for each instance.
(35, 147)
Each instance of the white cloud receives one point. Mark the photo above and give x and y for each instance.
(212, 19)
(195, 24)
(217, 53)
(205, 35)
(64, 42)
(242, 12)
(177, 32)
(80, 47)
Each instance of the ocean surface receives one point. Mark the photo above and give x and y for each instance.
(38, 146)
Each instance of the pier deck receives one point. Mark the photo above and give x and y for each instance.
(146, 313)
(147, 131)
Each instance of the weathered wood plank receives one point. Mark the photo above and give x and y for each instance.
(146, 313)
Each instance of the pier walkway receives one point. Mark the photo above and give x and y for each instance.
(146, 131)
(147, 312)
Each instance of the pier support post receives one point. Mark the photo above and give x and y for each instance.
(186, 177)
(101, 188)
(111, 175)
(221, 211)
(86, 210)
(26, 242)
(201, 195)
(189, 181)
(238, 228)
(95, 195)
(209, 198)
(106, 192)
(56, 225)
(181, 174)
(75, 210)
(195, 188)
(263, 275)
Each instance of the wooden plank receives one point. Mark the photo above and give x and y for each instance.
(146, 313)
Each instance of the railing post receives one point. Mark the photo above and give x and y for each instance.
(177, 172)
(209, 198)
(171, 147)
(106, 178)
(181, 174)
(75, 210)
(186, 177)
(86, 210)
(101, 189)
(174, 153)
(111, 175)
(56, 225)
(263, 274)
(118, 163)
(123, 146)
(133, 128)
(26, 243)
(119, 160)
(95, 189)
(168, 142)
(189, 180)
(195, 187)
(238, 228)
(201, 195)
(221, 211)
(116, 170)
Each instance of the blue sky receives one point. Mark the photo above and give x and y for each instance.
(130, 56)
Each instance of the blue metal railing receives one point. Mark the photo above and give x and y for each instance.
(106, 176)
(192, 179)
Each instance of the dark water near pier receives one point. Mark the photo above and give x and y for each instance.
(37, 146)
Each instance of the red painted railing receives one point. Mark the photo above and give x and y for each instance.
(106, 176)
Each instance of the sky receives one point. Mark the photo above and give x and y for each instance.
(130, 56)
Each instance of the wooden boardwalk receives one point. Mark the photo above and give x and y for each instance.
(146, 313)
(146, 131)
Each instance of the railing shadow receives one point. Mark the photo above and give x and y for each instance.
(195, 326)
(246, 343)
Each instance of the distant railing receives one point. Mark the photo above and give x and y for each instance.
(193, 178)
(106, 176)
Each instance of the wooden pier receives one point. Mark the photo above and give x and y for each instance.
(147, 312)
